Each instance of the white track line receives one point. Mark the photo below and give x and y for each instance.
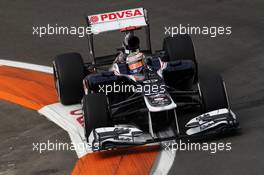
(165, 158)
(60, 115)
(29, 66)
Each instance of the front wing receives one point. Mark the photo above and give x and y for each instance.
(214, 122)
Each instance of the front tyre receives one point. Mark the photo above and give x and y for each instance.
(95, 112)
(68, 71)
(213, 92)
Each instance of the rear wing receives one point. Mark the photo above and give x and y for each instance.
(120, 20)
(123, 20)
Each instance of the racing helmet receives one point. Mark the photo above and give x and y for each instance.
(131, 43)
(135, 62)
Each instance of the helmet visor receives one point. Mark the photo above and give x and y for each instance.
(135, 65)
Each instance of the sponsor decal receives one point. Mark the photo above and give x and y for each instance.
(116, 15)
(78, 114)
(94, 19)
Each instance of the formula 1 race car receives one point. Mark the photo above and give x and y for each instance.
(134, 96)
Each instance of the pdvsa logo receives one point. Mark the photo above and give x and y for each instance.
(115, 15)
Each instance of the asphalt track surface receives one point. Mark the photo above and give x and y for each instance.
(239, 58)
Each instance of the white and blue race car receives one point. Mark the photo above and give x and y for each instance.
(135, 95)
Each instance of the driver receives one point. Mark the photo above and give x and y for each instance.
(130, 45)
(135, 62)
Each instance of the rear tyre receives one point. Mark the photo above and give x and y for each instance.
(95, 111)
(213, 92)
(180, 47)
(68, 76)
